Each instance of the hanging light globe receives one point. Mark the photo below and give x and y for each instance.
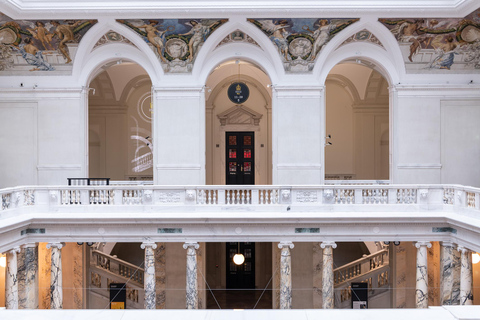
(475, 258)
(238, 259)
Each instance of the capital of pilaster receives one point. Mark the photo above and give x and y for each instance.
(463, 249)
(193, 245)
(286, 244)
(447, 244)
(146, 244)
(29, 245)
(15, 250)
(325, 244)
(419, 244)
(58, 245)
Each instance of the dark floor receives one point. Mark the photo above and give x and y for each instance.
(239, 299)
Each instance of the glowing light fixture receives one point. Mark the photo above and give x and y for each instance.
(475, 258)
(239, 258)
(3, 261)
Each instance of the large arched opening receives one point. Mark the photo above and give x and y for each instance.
(120, 123)
(357, 122)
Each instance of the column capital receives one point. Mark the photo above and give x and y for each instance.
(13, 250)
(151, 244)
(58, 245)
(193, 245)
(462, 249)
(447, 244)
(30, 245)
(419, 244)
(284, 244)
(325, 244)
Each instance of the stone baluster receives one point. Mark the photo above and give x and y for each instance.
(192, 291)
(466, 294)
(327, 274)
(421, 288)
(29, 299)
(285, 275)
(56, 280)
(11, 283)
(447, 269)
(149, 283)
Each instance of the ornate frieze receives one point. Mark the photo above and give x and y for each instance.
(176, 42)
(39, 45)
(363, 36)
(299, 41)
(237, 36)
(434, 44)
(112, 37)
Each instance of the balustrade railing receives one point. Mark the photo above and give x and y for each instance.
(360, 267)
(216, 196)
(118, 267)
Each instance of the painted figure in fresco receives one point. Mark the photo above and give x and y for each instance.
(156, 37)
(410, 32)
(278, 34)
(446, 52)
(199, 32)
(33, 56)
(65, 34)
(321, 36)
(40, 33)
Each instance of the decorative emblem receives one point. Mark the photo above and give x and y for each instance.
(238, 92)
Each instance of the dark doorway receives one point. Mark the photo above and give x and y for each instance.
(240, 168)
(241, 276)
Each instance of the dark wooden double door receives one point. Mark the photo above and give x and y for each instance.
(240, 169)
(241, 276)
(240, 155)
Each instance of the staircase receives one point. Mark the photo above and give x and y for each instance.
(106, 269)
(373, 269)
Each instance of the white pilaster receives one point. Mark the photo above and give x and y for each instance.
(466, 294)
(327, 274)
(421, 288)
(149, 281)
(192, 291)
(56, 279)
(285, 275)
(11, 281)
(447, 268)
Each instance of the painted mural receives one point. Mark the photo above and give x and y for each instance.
(438, 44)
(176, 42)
(299, 41)
(39, 45)
(363, 36)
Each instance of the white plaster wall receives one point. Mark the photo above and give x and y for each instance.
(298, 131)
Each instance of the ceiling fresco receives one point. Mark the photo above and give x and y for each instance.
(431, 44)
(176, 42)
(299, 41)
(40, 45)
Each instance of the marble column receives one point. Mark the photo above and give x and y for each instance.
(149, 275)
(421, 288)
(327, 274)
(11, 281)
(466, 294)
(29, 299)
(285, 275)
(56, 280)
(192, 293)
(447, 268)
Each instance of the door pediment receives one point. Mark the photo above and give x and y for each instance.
(239, 115)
